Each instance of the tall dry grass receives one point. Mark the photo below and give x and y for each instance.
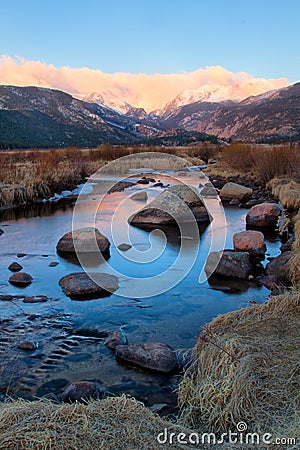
(28, 176)
(266, 162)
(245, 368)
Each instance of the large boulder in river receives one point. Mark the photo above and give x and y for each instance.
(232, 191)
(83, 240)
(250, 241)
(264, 215)
(153, 356)
(229, 264)
(20, 279)
(177, 204)
(81, 286)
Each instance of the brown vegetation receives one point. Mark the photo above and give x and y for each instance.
(266, 162)
(29, 176)
(246, 369)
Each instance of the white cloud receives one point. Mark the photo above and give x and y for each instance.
(142, 90)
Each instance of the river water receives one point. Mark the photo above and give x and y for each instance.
(70, 334)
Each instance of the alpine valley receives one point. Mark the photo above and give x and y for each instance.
(41, 117)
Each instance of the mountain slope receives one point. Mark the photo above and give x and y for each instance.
(32, 116)
(274, 116)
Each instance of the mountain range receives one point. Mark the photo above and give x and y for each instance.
(41, 117)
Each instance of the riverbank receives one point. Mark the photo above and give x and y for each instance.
(244, 369)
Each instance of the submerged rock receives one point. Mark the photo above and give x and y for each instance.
(229, 264)
(15, 267)
(79, 286)
(250, 241)
(232, 191)
(169, 208)
(154, 356)
(53, 264)
(82, 390)
(35, 299)
(83, 240)
(264, 215)
(20, 279)
(115, 338)
(27, 345)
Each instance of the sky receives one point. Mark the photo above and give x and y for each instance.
(170, 37)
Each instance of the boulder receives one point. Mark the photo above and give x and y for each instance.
(168, 208)
(278, 270)
(229, 264)
(115, 338)
(83, 240)
(15, 267)
(82, 390)
(153, 356)
(53, 264)
(79, 286)
(264, 215)
(232, 191)
(209, 191)
(140, 196)
(250, 241)
(20, 279)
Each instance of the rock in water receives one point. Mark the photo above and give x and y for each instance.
(154, 356)
(232, 191)
(264, 215)
(179, 203)
(124, 247)
(84, 240)
(79, 286)
(20, 279)
(15, 267)
(82, 390)
(140, 196)
(35, 299)
(250, 241)
(1, 231)
(278, 270)
(229, 264)
(27, 345)
(115, 338)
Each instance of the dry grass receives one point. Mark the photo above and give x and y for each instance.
(31, 175)
(246, 367)
(295, 260)
(112, 424)
(266, 162)
(287, 191)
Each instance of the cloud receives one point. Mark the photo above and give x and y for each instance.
(141, 90)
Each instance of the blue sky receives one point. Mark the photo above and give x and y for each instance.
(258, 37)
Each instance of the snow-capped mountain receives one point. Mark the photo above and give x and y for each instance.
(33, 116)
(106, 99)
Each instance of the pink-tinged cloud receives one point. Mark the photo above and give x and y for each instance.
(148, 91)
